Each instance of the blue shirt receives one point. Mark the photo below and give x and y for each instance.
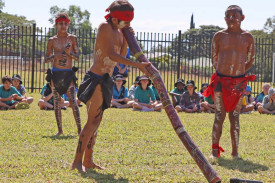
(144, 96)
(7, 93)
(117, 94)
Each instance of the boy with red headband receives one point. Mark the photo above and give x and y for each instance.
(61, 50)
(232, 57)
(97, 87)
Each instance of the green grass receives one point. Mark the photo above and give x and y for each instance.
(133, 146)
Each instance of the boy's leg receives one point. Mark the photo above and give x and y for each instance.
(235, 127)
(218, 122)
(73, 104)
(57, 110)
(94, 109)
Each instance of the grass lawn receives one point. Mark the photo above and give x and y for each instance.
(133, 146)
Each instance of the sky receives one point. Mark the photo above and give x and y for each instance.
(160, 16)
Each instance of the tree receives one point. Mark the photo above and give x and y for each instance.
(2, 4)
(192, 23)
(269, 25)
(195, 42)
(78, 19)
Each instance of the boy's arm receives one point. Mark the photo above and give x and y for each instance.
(214, 51)
(250, 53)
(49, 55)
(75, 53)
(107, 40)
(46, 98)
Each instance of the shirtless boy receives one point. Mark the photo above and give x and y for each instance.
(96, 88)
(61, 50)
(232, 57)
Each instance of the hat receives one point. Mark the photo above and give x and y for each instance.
(137, 80)
(248, 88)
(179, 81)
(190, 82)
(120, 77)
(145, 78)
(204, 84)
(16, 76)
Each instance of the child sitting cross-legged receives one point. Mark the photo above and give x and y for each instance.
(190, 100)
(145, 99)
(17, 83)
(120, 94)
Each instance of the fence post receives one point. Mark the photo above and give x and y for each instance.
(179, 54)
(273, 70)
(33, 55)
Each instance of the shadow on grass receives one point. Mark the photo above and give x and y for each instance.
(61, 137)
(99, 177)
(241, 165)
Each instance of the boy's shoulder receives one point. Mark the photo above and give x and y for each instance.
(53, 38)
(71, 36)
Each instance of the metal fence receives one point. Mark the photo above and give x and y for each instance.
(22, 52)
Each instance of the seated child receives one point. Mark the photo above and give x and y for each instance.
(190, 100)
(131, 92)
(120, 94)
(268, 105)
(145, 99)
(259, 98)
(203, 88)
(177, 92)
(208, 104)
(9, 96)
(17, 83)
(249, 101)
(46, 101)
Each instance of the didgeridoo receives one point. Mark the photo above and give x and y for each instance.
(208, 171)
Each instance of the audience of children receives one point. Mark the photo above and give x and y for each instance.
(9, 96)
(140, 96)
(120, 93)
(17, 83)
(268, 105)
(190, 100)
(145, 99)
(177, 92)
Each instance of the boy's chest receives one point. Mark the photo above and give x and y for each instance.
(61, 43)
(118, 41)
(233, 42)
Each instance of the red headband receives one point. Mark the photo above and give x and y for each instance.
(62, 19)
(121, 15)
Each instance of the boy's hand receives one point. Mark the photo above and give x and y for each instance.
(131, 30)
(142, 66)
(14, 95)
(10, 98)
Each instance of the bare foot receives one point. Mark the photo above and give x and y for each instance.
(214, 153)
(77, 166)
(59, 133)
(92, 165)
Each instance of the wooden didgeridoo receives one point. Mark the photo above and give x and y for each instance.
(208, 171)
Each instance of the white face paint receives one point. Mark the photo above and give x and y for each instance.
(121, 24)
